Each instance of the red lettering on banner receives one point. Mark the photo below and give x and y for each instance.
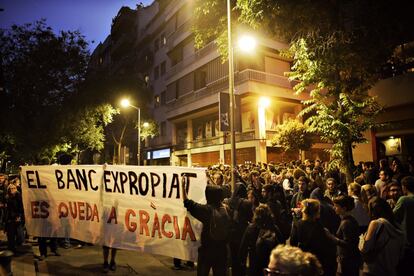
(159, 228)
(131, 226)
(84, 209)
(63, 210)
(40, 209)
(166, 218)
(81, 211)
(143, 222)
(176, 229)
(95, 213)
(88, 211)
(73, 209)
(188, 229)
(35, 209)
(112, 216)
(156, 226)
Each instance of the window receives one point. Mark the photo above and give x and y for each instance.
(156, 72)
(163, 68)
(162, 100)
(163, 128)
(156, 44)
(163, 39)
(157, 101)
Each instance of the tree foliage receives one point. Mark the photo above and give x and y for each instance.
(292, 135)
(41, 112)
(338, 49)
(149, 129)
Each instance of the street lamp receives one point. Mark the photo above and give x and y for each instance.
(126, 103)
(246, 44)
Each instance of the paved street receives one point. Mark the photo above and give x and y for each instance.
(88, 261)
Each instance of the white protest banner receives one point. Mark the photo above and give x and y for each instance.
(127, 207)
(63, 201)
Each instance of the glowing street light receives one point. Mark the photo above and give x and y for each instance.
(264, 102)
(126, 103)
(247, 43)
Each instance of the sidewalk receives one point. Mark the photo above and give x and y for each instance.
(88, 261)
(22, 263)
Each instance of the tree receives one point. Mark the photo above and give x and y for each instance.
(41, 109)
(292, 135)
(86, 127)
(338, 49)
(149, 129)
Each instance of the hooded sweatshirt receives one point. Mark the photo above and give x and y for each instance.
(388, 243)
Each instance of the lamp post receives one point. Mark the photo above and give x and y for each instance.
(231, 96)
(246, 44)
(126, 103)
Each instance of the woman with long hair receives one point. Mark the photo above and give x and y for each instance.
(383, 243)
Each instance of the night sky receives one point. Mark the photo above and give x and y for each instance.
(92, 17)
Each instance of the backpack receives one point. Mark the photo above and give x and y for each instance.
(265, 242)
(220, 224)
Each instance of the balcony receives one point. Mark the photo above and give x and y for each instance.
(205, 142)
(181, 33)
(214, 141)
(188, 61)
(221, 84)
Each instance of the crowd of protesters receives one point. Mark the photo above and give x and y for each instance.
(364, 226)
(297, 218)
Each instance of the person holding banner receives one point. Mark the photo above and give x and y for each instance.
(212, 254)
(112, 265)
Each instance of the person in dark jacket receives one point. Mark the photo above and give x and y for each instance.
(241, 213)
(212, 254)
(14, 215)
(347, 237)
(303, 193)
(309, 235)
(268, 194)
(258, 258)
(328, 217)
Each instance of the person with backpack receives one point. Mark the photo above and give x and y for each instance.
(260, 237)
(212, 254)
(309, 235)
(240, 211)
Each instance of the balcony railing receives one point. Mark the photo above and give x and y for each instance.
(205, 142)
(222, 83)
(263, 77)
(213, 141)
(190, 60)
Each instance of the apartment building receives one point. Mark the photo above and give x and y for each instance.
(186, 83)
(156, 43)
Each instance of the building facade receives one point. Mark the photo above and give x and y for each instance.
(186, 83)
(156, 43)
